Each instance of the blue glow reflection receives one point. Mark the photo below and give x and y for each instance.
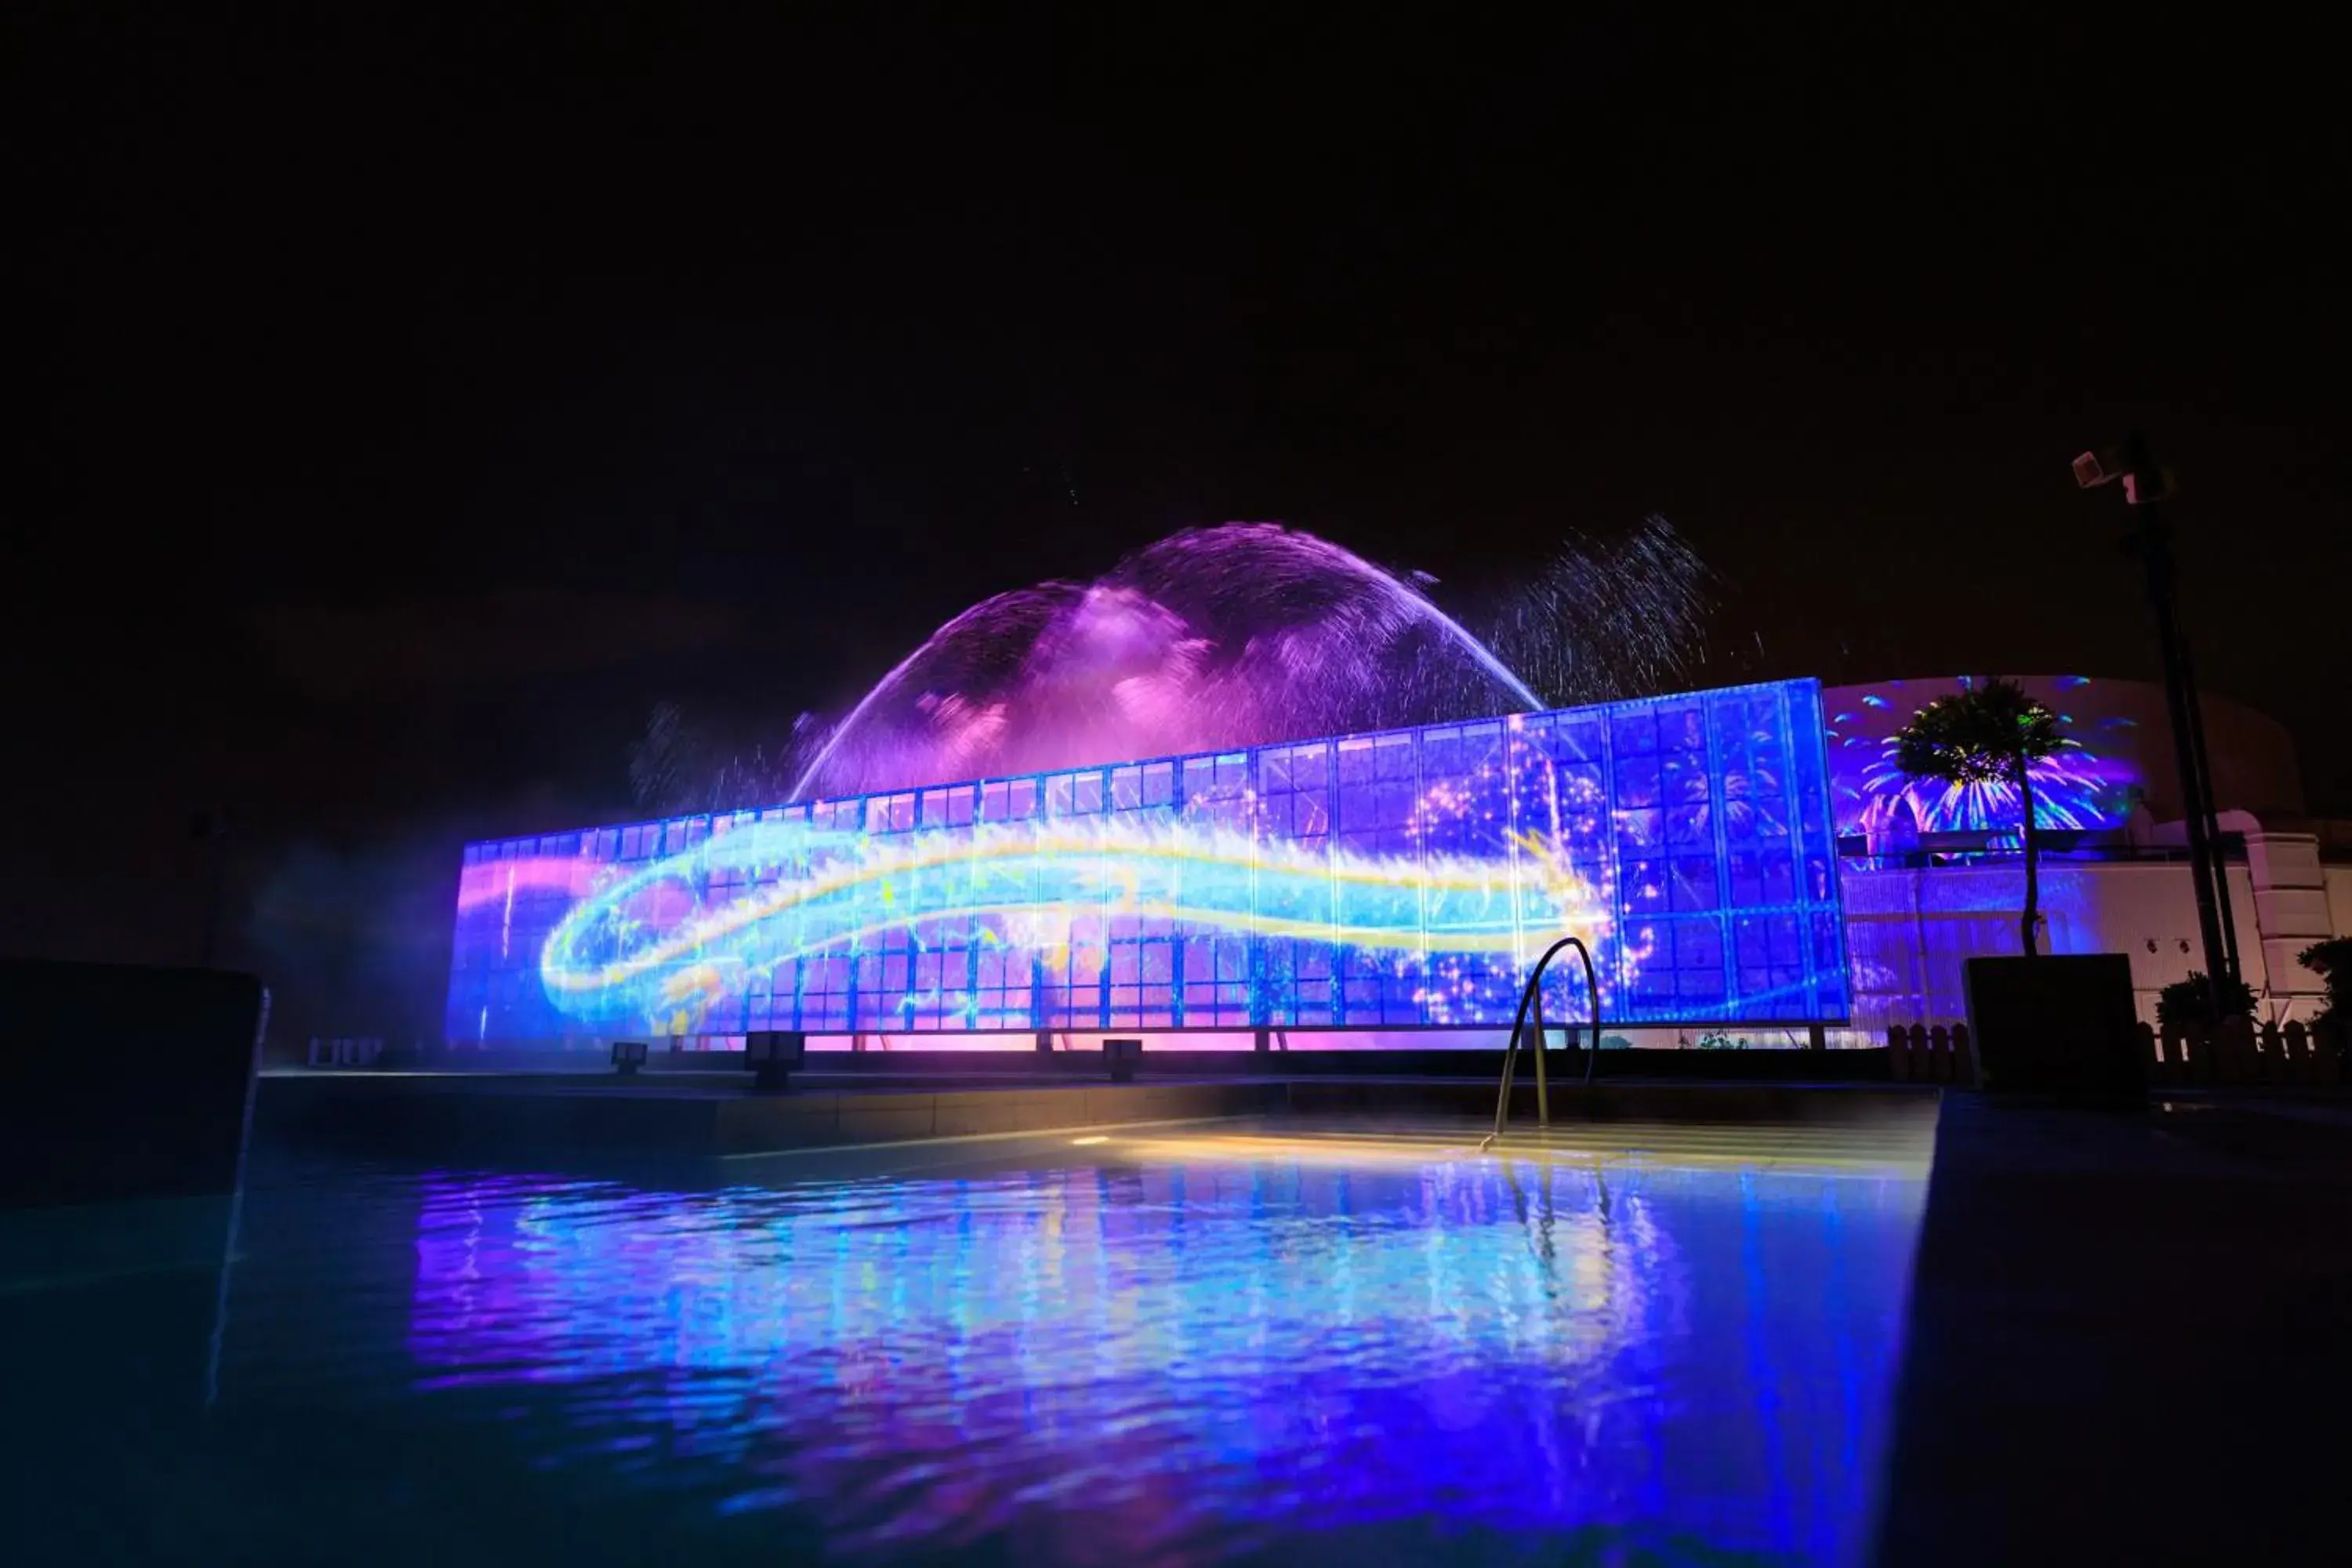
(1182, 1362)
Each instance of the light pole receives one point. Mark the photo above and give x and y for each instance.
(211, 828)
(2145, 486)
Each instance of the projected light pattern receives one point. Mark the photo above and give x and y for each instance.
(2080, 787)
(1406, 879)
(2070, 790)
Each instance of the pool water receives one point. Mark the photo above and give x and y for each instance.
(1147, 1350)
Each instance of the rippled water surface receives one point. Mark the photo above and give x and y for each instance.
(1133, 1354)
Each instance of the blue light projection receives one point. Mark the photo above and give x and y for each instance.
(1405, 878)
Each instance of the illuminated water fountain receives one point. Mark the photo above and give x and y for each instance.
(1248, 780)
(1208, 639)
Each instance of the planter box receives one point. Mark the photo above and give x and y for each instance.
(2059, 1024)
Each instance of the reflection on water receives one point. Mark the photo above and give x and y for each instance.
(1187, 1362)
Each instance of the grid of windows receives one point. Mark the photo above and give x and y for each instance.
(1397, 879)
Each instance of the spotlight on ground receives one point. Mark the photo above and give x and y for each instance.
(772, 1055)
(1123, 1057)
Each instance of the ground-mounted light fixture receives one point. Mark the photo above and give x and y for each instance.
(1122, 1057)
(772, 1055)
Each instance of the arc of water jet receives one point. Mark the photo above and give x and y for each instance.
(1339, 556)
(1478, 650)
(883, 686)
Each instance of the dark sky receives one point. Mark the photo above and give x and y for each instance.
(408, 402)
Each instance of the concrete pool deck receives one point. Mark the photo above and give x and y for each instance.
(2129, 1337)
(695, 1114)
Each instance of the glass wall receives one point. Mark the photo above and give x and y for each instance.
(1401, 879)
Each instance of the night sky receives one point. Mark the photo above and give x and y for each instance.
(407, 404)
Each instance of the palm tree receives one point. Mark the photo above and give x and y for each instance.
(1987, 734)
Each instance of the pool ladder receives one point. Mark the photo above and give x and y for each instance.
(1532, 997)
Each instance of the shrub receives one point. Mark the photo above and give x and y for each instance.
(2332, 962)
(2182, 1003)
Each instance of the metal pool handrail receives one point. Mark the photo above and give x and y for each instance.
(1532, 996)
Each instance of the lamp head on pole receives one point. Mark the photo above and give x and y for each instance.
(2144, 479)
(2093, 470)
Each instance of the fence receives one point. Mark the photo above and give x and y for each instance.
(2242, 1052)
(1921, 1055)
(346, 1053)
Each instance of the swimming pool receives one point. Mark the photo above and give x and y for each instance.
(1171, 1346)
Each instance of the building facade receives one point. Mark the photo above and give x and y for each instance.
(1747, 864)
